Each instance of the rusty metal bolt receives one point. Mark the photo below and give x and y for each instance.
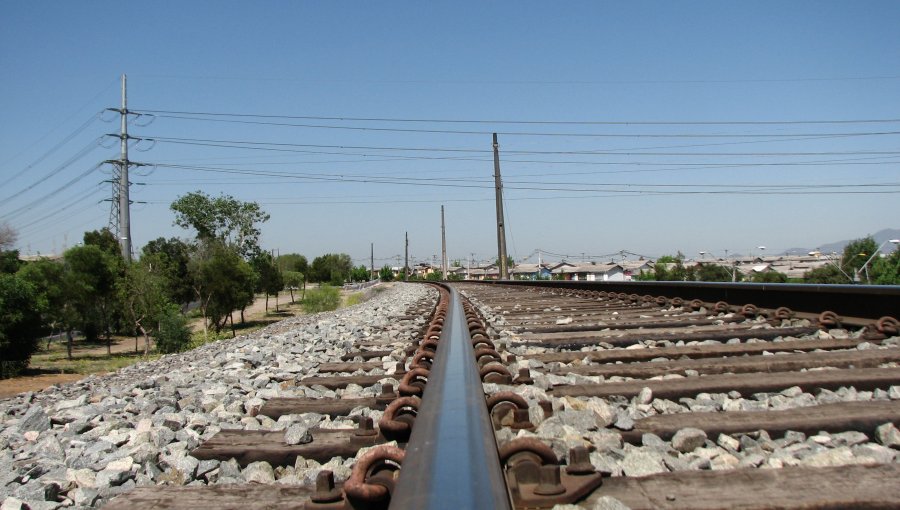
(387, 394)
(521, 420)
(325, 489)
(524, 377)
(366, 427)
(580, 462)
(550, 482)
(511, 358)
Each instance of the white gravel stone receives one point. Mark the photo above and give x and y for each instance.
(688, 439)
(888, 435)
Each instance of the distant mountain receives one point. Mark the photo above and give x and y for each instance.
(838, 247)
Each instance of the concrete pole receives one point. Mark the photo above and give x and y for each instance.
(406, 258)
(501, 232)
(443, 246)
(124, 200)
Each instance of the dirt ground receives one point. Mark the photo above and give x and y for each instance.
(35, 380)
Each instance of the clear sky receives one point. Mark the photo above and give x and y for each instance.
(648, 127)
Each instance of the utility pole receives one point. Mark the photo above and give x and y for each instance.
(501, 233)
(443, 246)
(406, 258)
(120, 209)
(372, 262)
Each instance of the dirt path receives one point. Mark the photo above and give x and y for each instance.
(36, 380)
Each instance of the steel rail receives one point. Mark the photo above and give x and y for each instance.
(871, 301)
(452, 459)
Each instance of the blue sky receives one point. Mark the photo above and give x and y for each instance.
(591, 174)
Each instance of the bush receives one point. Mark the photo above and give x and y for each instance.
(323, 299)
(20, 324)
(174, 334)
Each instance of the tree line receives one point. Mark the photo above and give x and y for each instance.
(855, 265)
(91, 288)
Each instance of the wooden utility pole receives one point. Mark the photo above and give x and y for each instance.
(406, 258)
(372, 262)
(501, 232)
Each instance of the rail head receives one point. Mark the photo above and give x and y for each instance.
(462, 469)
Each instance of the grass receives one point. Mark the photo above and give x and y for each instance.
(354, 299)
(55, 360)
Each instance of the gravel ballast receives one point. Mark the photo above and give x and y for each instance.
(79, 445)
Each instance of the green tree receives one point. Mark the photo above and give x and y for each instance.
(712, 273)
(385, 273)
(223, 282)
(143, 292)
(91, 275)
(856, 253)
(826, 274)
(9, 261)
(269, 278)
(105, 240)
(20, 323)
(171, 257)
(769, 277)
(360, 273)
(292, 262)
(293, 280)
(221, 218)
(49, 279)
(173, 334)
(331, 268)
(886, 270)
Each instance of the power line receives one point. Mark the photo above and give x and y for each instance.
(537, 122)
(87, 149)
(472, 132)
(284, 147)
(53, 149)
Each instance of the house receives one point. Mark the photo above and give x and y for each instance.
(635, 267)
(592, 272)
(530, 272)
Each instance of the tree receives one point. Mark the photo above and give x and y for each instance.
(9, 261)
(360, 273)
(173, 334)
(826, 274)
(856, 253)
(105, 240)
(223, 282)
(143, 292)
(386, 274)
(886, 270)
(8, 237)
(221, 218)
(293, 280)
(171, 257)
(91, 275)
(49, 279)
(269, 279)
(20, 323)
(769, 277)
(331, 268)
(292, 262)
(712, 273)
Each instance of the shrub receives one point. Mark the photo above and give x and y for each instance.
(323, 299)
(174, 334)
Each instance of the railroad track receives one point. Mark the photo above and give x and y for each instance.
(528, 397)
